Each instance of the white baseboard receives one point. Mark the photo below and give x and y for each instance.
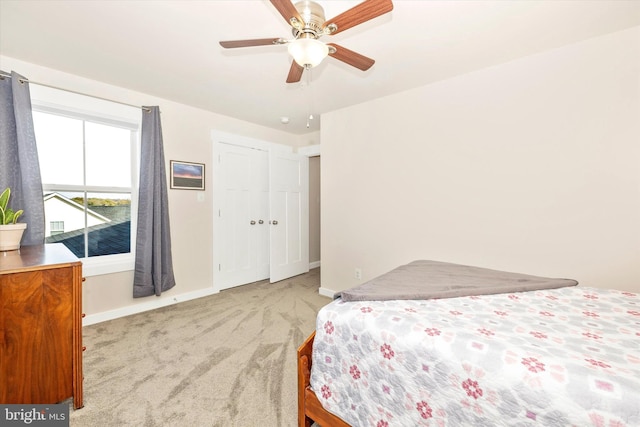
(314, 264)
(326, 292)
(152, 304)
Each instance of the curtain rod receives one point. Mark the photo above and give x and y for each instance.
(4, 76)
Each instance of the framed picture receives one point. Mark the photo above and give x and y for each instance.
(187, 175)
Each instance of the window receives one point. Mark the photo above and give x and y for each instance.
(55, 227)
(88, 167)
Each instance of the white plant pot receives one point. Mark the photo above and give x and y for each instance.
(11, 235)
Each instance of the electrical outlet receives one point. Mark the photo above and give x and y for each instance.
(357, 273)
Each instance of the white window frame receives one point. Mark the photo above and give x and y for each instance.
(103, 264)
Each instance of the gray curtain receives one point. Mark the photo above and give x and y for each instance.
(19, 167)
(154, 267)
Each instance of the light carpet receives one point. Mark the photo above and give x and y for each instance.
(224, 360)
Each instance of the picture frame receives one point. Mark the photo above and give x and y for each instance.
(187, 175)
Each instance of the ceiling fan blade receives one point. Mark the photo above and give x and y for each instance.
(350, 57)
(295, 72)
(287, 10)
(363, 12)
(229, 44)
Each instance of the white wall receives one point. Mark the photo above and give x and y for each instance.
(187, 136)
(532, 166)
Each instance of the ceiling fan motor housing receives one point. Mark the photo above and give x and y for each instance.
(313, 16)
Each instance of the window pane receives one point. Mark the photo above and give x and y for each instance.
(67, 209)
(59, 141)
(109, 223)
(108, 155)
(108, 219)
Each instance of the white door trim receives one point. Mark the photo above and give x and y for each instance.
(245, 141)
(309, 150)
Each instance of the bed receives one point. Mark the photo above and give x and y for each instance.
(553, 355)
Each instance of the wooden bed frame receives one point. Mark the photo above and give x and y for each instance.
(309, 408)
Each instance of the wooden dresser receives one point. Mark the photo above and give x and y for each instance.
(40, 325)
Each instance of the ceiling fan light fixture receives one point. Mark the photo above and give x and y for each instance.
(308, 52)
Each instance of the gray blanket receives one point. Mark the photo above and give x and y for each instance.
(432, 279)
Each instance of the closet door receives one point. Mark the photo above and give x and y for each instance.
(289, 202)
(259, 222)
(243, 216)
(261, 228)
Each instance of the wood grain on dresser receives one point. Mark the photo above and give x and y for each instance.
(40, 325)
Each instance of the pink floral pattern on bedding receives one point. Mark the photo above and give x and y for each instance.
(562, 357)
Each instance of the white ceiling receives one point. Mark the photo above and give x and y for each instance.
(170, 48)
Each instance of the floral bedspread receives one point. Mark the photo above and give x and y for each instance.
(562, 357)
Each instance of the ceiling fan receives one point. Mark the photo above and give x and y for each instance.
(308, 25)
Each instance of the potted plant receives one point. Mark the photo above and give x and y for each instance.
(10, 230)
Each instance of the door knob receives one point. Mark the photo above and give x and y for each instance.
(252, 222)
(275, 222)
(261, 222)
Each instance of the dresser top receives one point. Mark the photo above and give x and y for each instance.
(36, 257)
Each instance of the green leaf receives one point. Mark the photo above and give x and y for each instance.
(17, 215)
(2, 216)
(8, 216)
(4, 198)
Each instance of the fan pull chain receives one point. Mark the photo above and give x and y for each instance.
(310, 116)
